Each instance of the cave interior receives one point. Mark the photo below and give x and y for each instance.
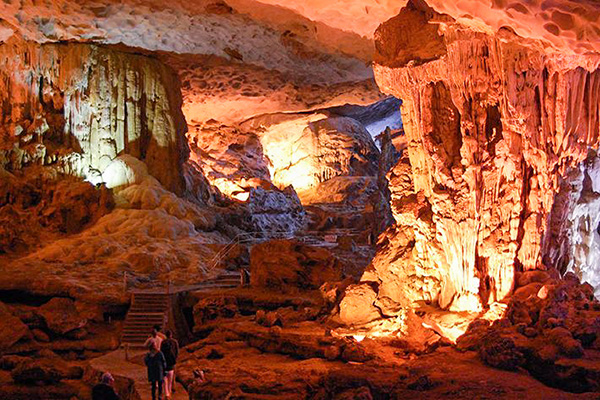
(341, 199)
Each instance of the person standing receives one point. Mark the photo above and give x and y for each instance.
(156, 364)
(156, 337)
(104, 389)
(170, 349)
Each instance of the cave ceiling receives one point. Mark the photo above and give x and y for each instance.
(243, 58)
(203, 26)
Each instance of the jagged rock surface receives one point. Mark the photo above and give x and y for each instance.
(76, 107)
(493, 121)
(231, 160)
(285, 265)
(551, 329)
(304, 151)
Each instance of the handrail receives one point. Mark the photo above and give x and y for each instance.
(247, 237)
(307, 237)
(304, 236)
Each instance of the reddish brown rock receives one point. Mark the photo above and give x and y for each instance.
(291, 265)
(61, 316)
(12, 329)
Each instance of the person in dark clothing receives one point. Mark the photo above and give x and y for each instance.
(155, 361)
(170, 348)
(104, 389)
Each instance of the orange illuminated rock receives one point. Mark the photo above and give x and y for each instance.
(291, 265)
(304, 151)
(493, 122)
(75, 107)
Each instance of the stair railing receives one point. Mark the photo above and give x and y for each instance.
(308, 237)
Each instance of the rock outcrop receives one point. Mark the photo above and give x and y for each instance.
(552, 329)
(493, 122)
(288, 265)
(304, 151)
(232, 160)
(76, 107)
(33, 206)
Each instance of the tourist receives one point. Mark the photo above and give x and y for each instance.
(155, 337)
(170, 349)
(104, 389)
(155, 361)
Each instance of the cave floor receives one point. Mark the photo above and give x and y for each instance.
(246, 361)
(134, 369)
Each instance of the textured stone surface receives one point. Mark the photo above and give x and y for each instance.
(231, 160)
(550, 329)
(290, 265)
(573, 242)
(304, 151)
(61, 316)
(275, 212)
(76, 107)
(34, 206)
(12, 329)
(474, 193)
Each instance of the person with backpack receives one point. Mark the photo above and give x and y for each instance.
(156, 364)
(170, 348)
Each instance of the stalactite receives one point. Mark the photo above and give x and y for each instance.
(493, 122)
(100, 102)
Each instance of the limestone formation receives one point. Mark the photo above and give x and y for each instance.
(305, 151)
(231, 160)
(493, 123)
(320, 204)
(76, 107)
(284, 265)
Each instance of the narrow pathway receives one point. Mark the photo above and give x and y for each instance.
(134, 369)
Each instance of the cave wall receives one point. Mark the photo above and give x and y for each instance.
(494, 122)
(77, 107)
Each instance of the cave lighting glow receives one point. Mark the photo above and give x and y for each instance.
(359, 338)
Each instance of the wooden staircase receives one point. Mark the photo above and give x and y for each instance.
(150, 308)
(226, 280)
(147, 309)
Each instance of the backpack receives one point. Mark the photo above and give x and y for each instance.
(168, 349)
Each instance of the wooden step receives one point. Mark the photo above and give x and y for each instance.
(146, 311)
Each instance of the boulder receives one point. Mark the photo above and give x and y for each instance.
(500, 352)
(209, 309)
(524, 292)
(61, 316)
(40, 335)
(274, 210)
(358, 305)
(9, 362)
(57, 391)
(563, 339)
(527, 277)
(361, 393)
(286, 265)
(36, 371)
(12, 329)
